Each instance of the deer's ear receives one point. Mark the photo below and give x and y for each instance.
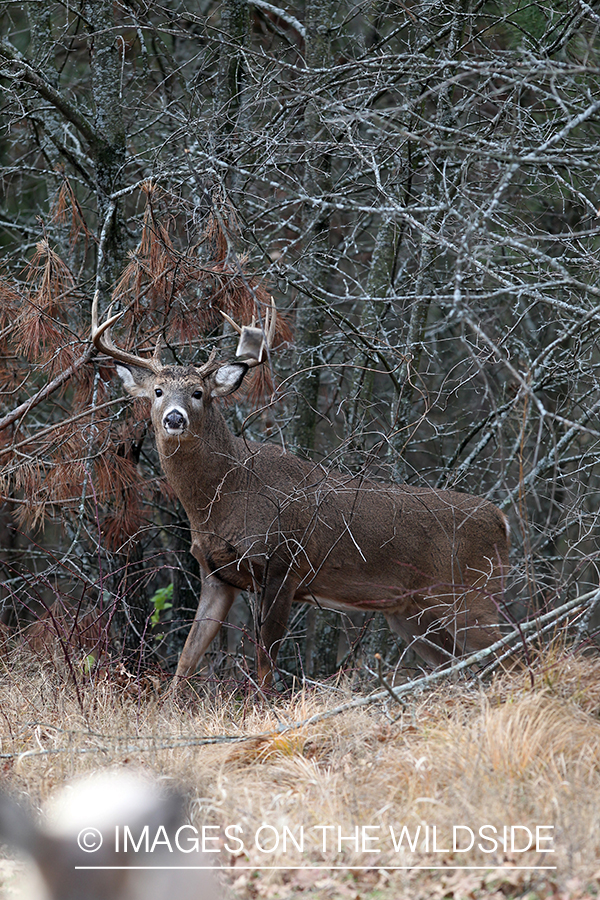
(135, 381)
(227, 379)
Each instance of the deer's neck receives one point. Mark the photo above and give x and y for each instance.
(201, 468)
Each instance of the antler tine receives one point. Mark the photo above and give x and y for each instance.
(253, 340)
(102, 340)
(209, 365)
(231, 321)
(158, 351)
(271, 322)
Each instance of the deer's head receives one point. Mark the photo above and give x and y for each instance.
(181, 395)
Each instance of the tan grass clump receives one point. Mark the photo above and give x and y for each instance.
(506, 754)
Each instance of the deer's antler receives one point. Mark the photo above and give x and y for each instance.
(102, 340)
(253, 340)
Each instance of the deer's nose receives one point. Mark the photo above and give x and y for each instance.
(175, 421)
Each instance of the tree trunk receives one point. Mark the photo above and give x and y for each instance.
(322, 626)
(186, 588)
(310, 315)
(428, 253)
(108, 151)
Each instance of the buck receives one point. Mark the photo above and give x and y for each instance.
(262, 520)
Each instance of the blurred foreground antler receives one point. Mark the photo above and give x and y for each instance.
(81, 852)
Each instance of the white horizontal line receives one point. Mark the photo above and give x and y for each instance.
(317, 868)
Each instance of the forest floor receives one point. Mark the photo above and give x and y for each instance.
(518, 757)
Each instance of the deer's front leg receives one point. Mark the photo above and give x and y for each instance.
(278, 595)
(216, 600)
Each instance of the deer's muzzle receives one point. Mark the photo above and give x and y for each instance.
(175, 421)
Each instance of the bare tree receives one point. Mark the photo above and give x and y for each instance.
(415, 183)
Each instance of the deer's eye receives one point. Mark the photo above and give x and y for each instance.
(158, 392)
(197, 395)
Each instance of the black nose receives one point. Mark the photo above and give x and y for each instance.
(174, 420)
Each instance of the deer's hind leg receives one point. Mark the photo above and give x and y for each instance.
(473, 624)
(443, 629)
(423, 634)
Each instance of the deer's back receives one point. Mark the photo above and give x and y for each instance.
(323, 522)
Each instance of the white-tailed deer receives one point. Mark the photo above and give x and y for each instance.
(431, 561)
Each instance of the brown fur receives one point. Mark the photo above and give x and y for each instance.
(432, 561)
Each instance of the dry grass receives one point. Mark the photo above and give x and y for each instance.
(503, 754)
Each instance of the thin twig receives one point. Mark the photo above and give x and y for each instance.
(384, 683)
